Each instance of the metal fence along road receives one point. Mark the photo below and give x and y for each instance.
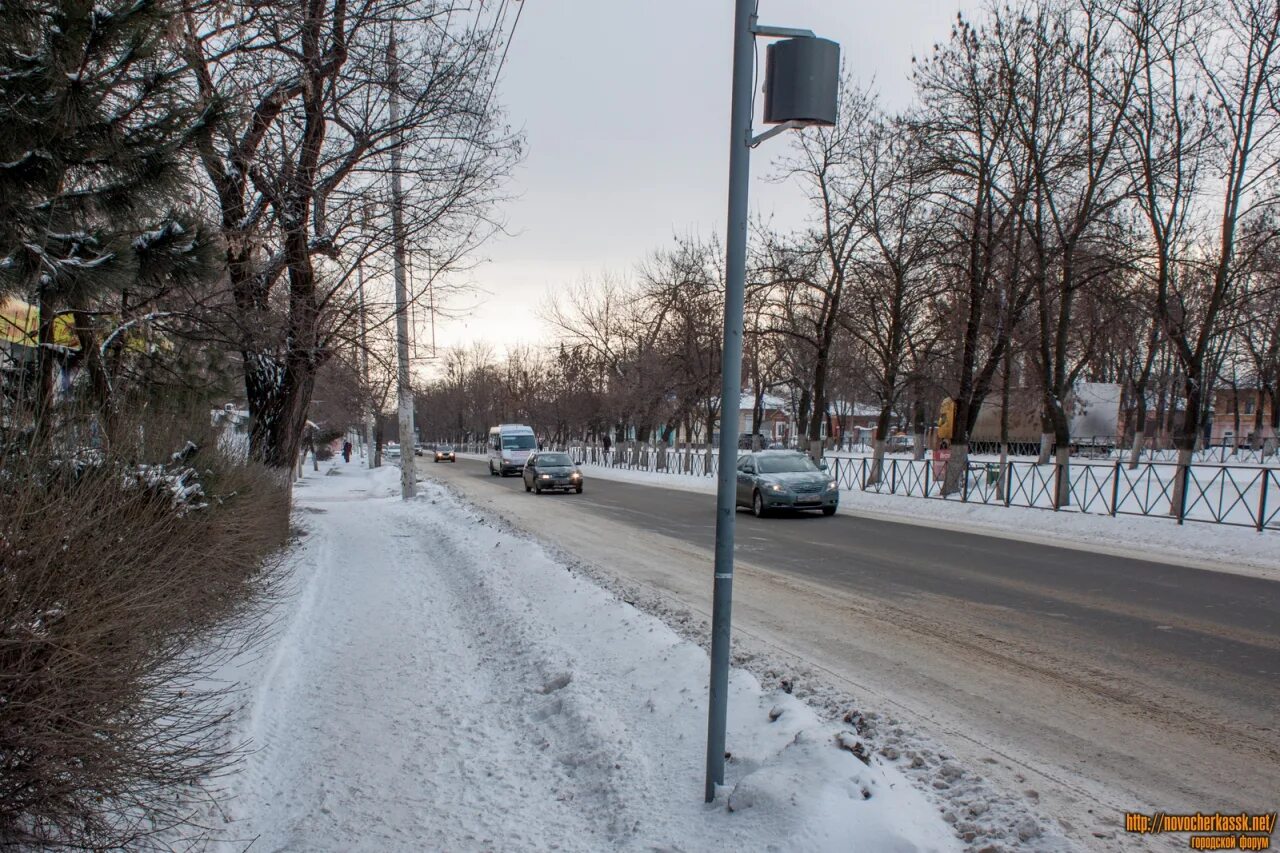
(1237, 495)
(1221, 494)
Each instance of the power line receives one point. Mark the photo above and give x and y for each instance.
(497, 74)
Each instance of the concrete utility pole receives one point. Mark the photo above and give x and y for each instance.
(369, 415)
(404, 388)
(730, 386)
(801, 89)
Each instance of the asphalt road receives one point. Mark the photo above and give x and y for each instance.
(1121, 682)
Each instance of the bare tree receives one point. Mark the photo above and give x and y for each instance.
(1205, 129)
(291, 172)
(967, 121)
(894, 285)
(811, 271)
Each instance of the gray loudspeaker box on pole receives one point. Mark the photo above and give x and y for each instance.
(802, 81)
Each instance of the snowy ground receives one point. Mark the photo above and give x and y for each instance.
(1214, 546)
(440, 682)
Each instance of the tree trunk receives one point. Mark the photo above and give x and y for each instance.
(956, 467)
(802, 421)
(1046, 436)
(1235, 418)
(819, 413)
(815, 450)
(46, 365)
(1255, 435)
(1135, 452)
(277, 411)
(1061, 438)
(877, 461)
(882, 433)
(1184, 440)
(99, 382)
(917, 430)
(1140, 425)
(1062, 476)
(1001, 482)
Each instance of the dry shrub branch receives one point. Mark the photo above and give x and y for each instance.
(126, 581)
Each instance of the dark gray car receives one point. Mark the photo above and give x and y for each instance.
(551, 469)
(785, 479)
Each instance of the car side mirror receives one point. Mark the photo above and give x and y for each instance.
(822, 463)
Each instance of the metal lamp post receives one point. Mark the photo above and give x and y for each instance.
(801, 86)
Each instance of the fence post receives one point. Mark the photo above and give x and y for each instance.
(964, 483)
(893, 477)
(1262, 499)
(928, 463)
(1057, 484)
(1008, 482)
(1115, 491)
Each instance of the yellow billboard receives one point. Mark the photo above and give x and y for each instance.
(20, 324)
(946, 419)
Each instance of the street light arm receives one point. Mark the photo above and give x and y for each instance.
(755, 141)
(781, 32)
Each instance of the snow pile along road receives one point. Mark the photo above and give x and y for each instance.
(441, 684)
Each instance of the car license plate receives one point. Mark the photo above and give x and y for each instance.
(808, 499)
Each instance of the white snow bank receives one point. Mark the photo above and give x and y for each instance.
(443, 684)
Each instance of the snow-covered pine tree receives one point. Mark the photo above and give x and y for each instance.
(93, 130)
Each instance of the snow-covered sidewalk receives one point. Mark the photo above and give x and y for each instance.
(441, 684)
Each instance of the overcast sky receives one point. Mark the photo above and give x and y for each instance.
(625, 107)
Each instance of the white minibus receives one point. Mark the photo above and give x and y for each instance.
(509, 448)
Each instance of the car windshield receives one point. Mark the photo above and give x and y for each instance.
(518, 442)
(784, 464)
(446, 449)
(553, 459)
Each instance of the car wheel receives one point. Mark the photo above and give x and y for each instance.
(757, 506)
(828, 510)
(537, 488)
(578, 490)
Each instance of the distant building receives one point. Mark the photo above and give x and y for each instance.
(1254, 414)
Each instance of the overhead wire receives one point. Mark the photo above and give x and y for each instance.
(497, 73)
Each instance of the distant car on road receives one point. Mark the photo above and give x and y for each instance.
(551, 469)
(444, 453)
(899, 443)
(391, 450)
(785, 480)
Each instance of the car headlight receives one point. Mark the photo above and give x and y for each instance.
(545, 476)
(575, 476)
(832, 484)
(777, 487)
